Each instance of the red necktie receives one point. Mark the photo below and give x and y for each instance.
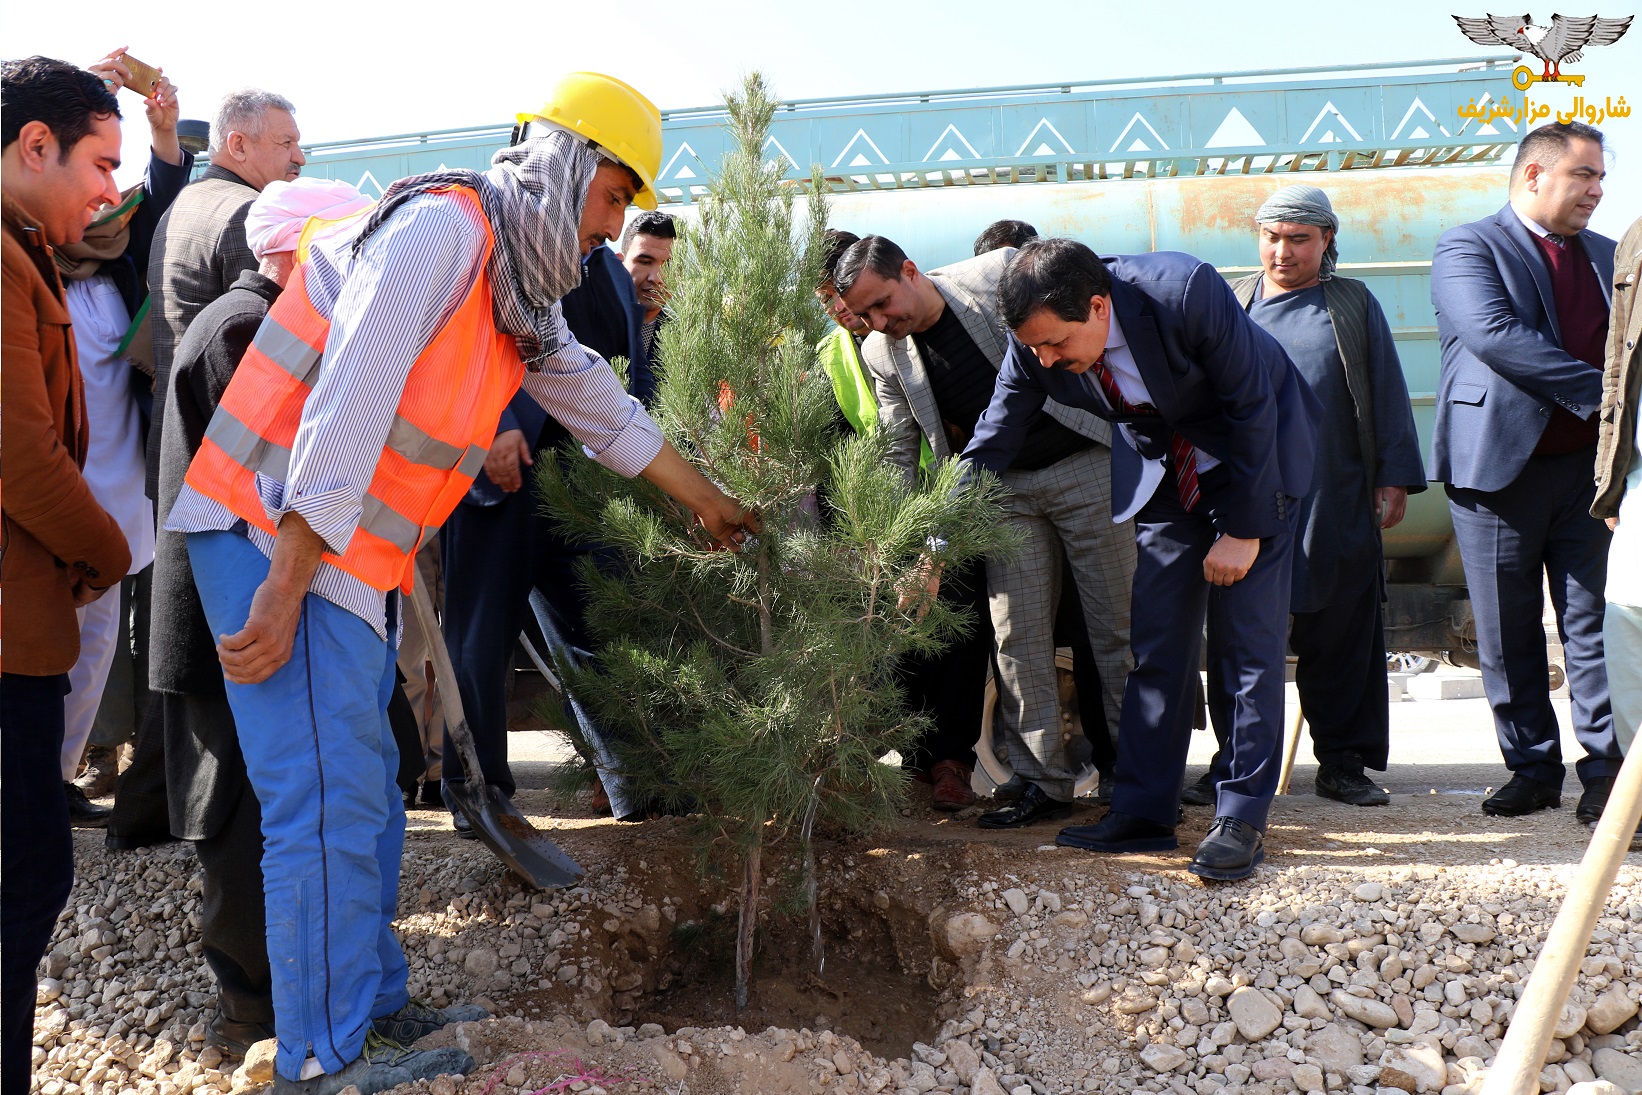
(1185, 457)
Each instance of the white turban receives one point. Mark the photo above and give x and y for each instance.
(282, 210)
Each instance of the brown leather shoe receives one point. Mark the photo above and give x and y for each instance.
(951, 791)
(601, 797)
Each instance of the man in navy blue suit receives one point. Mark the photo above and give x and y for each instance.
(1522, 313)
(1219, 431)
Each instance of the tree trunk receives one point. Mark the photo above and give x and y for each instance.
(748, 922)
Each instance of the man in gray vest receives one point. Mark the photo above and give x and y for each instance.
(1368, 462)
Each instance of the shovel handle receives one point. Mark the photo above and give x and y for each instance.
(444, 678)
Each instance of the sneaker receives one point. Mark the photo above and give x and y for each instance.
(381, 1065)
(82, 812)
(418, 1020)
(1346, 783)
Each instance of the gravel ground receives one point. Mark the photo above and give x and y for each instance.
(1376, 951)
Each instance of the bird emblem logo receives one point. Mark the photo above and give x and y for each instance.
(1564, 41)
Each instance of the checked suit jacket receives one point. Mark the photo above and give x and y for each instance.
(906, 403)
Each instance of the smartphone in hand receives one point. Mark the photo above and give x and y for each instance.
(143, 76)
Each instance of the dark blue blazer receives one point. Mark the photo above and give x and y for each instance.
(1503, 366)
(1214, 375)
(604, 314)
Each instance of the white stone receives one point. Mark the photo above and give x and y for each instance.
(1369, 891)
(1374, 1013)
(1595, 1087)
(1619, 1067)
(967, 932)
(1254, 1015)
(1307, 1078)
(1569, 1022)
(1162, 1057)
(1335, 1047)
(1308, 1005)
(1017, 901)
(1420, 1062)
(1610, 1010)
(963, 1059)
(986, 1083)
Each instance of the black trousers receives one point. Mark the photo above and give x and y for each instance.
(36, 855)
(1341, 676)
(232, 916)
(951, 686)
(1340, 672)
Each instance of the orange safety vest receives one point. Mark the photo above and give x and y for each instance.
(442, 429)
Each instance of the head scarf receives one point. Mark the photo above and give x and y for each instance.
(105, 240)
(276, 219)
(1302, 204)
(533, 197)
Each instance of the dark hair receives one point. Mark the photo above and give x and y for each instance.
(1060, 275)
(649, 223)
(65, 97)
(874, 253)
(1546, 144)
(837, 242)
(1004, 234)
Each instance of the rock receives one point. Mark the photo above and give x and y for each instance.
(1569, 1022)
(598, 1032)
(1218, 986)
(1335, 1048)
(1594, 1087)
(1369, 891)
(481, 962)
(967, 932)
(353, 1089)
(1307, 1078)
(146, 943)
(47, 990)
(1620, 1068)
(672, 1065)
(1308, 1005)
(1017, 901)
(1099, 994)
(1136, 1003)
(442, 1085)
(1373, 1013)
(963, 1059)
(1321, 935)
(1610, 1010)
(1476, 934)
(1254, 1015)
(1273, 1068)
(986, 1083)
(259, 1062)
(1422, 1065)
(1162, 1057)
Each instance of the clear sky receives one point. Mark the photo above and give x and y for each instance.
(357, 71)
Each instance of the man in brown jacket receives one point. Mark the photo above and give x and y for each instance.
(1619, 489)
(61, 144)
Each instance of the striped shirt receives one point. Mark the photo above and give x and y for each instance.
(385, 307)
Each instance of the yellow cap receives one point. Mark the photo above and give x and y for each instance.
(613, 116)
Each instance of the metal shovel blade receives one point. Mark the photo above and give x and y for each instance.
(507, 832)
(495, 819)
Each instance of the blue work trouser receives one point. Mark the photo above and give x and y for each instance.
(322, 760)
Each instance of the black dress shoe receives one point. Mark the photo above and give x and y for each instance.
(1346, 783)
(1119, 833)
(464, 828)
(1522, 795)
(1232, 850)
(130, 842)
(82, 812)
(1199, 793)
(1594, 800)
(1032, 805)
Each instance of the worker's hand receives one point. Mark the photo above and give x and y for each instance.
(728, 521)
(263, 645)
(85, 593)
(1229, 560)
(920, 587)
(1613, 523)
(1390, 505)
(508, 458)
(111, 69)
(161, 107)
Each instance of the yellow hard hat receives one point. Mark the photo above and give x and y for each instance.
(613, 116)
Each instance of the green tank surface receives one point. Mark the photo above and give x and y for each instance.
(1168, 163)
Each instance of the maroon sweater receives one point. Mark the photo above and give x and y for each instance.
(1582, 315)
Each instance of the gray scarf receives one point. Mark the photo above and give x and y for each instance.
(533, 196)
(1303, 204)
